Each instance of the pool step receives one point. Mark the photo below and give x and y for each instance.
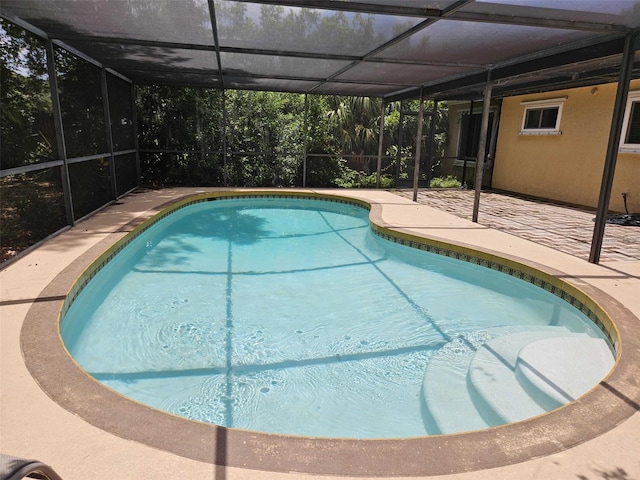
(563, 368)
(507, 374)
(493, 374)
(452, 403)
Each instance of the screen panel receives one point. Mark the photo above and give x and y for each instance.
(32, 208)
(126, 173)
(90, 185)
(124, 57)
(121, 113)
(399, 73)
(280, 65)
(27, 132)
(184, 21)
(471, 43)
(298, 29)
(620, 12)
(80, 91)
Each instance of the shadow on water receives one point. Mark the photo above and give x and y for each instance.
(235, 226)
(246, 369)
(232, 225)
(178, 241)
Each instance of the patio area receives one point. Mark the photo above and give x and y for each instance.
(564, 228)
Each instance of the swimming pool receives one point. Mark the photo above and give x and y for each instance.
(328, 259)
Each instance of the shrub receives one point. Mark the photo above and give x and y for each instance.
(445, 182)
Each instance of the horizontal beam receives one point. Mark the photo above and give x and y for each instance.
(434, 13)
(257, 51)
(538, 22)
(358, 7)
(30, 168)
(589, 52)
(540, 62)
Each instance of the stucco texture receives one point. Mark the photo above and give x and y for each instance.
(566, 167)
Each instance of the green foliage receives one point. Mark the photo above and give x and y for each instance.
(27, 133)
(80, 89)
(445, 182)
(350, 178)
(32, 208)
(355, 124)
(264, 138)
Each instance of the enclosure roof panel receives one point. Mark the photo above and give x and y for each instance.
(387, 48)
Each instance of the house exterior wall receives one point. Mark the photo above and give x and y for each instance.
(566, 167)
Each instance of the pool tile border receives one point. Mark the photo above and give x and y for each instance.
(551, 284)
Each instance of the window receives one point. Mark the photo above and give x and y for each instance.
(542, 117)
(630, 137)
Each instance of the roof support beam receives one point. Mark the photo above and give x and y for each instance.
(380, 144)
(359, 7)
(482, 146)
(108, 132)
(214, 29)
(416, 165)
(305, 140)
(60, 141)
(225, 132)
(432, 138)
(136, 145)
(410, 11)
(537, 22)
(612, 148)
(584, 53)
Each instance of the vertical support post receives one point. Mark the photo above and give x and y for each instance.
(380, 145)
(400, 135)
(199, 130)
(108, 133)
(622, 92)
(57, 120)
(304, 141)
(432, 135)
(493, 140)
(466, 134)
(416, 165)
(225, 174)
(136, 144)
(482, 146)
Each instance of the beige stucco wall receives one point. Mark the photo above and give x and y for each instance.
(566, 167)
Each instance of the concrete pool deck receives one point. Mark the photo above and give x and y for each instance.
(33, 425)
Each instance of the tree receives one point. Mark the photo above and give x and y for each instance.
(27, 133)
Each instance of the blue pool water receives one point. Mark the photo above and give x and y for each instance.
(291, 316)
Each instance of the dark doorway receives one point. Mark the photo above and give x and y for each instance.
(469, 140)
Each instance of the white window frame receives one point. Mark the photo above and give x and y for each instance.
(542, 104)
(633, 97)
